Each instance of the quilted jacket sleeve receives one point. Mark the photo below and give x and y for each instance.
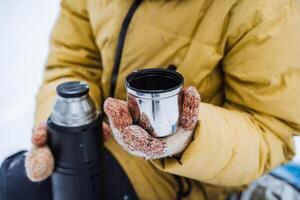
(253, 131)
(73, 56)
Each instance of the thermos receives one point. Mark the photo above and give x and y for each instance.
(75, 141)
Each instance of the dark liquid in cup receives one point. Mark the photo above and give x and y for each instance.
(154, 80)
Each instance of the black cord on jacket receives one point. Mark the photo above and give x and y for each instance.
(120, 45)
(118, 56)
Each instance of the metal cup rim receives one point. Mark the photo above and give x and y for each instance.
(154, 71)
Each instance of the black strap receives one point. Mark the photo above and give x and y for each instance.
(182, 192)
(121, 41)
(118, 56)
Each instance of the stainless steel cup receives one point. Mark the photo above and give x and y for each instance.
(155, 96)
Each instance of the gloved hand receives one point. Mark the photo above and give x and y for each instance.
(39, 162)
(138, 139)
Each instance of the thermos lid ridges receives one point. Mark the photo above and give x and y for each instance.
(73, 89)
(73, 106)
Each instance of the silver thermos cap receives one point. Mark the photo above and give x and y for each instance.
(73, 106)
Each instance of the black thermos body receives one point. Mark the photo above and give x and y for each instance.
(75, 141)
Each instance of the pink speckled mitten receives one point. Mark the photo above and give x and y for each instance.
(138, 139)
(39, 162)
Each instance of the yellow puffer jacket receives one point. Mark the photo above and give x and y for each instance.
(243, 56)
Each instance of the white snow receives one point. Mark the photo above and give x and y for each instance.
(24, 36)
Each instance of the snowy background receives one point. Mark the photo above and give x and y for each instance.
(25, 27)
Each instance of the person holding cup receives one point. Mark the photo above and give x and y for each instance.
(241, 56)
